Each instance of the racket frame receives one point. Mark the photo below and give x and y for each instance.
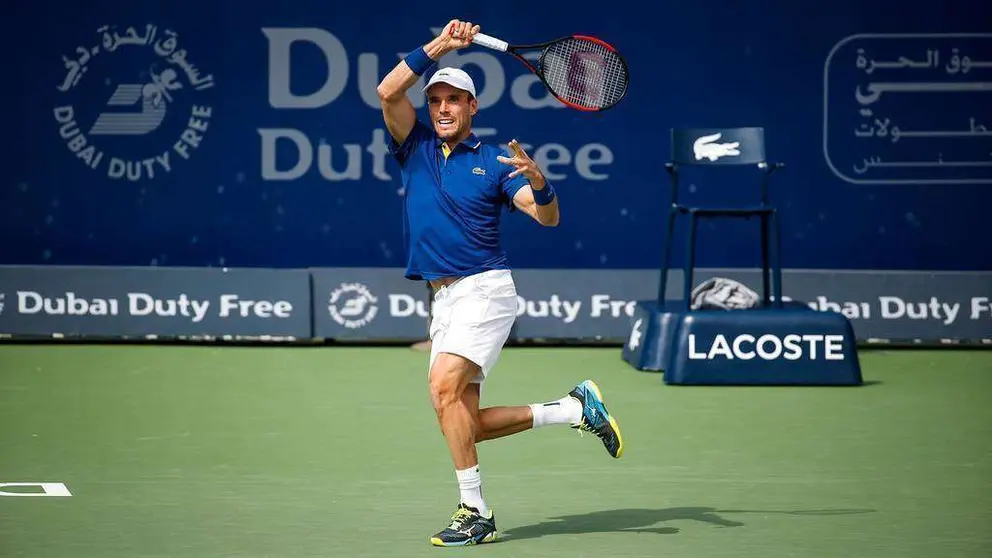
(494, 43)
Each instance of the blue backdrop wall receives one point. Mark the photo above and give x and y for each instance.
(258, 140)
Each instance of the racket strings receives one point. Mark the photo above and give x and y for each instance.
(585, 73)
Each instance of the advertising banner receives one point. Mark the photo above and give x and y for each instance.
(251, 133)
(371, 303)
(378, 304)
(596, 305)
(154, 302)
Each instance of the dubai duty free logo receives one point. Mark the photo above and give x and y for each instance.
(352, 305)
(132, 106)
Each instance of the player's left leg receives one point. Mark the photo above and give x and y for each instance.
(498, 422)
(582, 409)
(488, 301)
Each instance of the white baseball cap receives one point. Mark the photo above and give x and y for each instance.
(454, 77)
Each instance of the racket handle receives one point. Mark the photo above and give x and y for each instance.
(490, 42)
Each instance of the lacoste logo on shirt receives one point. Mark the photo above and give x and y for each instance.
(479, 171)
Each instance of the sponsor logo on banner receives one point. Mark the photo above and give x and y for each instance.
(352, 305)
(769, 347)
(145, 304)
(127, 84)
(556, 307)
(897, 308)
(1, 303)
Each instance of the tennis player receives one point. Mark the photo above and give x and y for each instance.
(455, 189)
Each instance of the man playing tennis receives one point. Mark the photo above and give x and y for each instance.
(455, 188)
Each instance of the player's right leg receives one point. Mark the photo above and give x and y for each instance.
(450, 380)
(454, 374)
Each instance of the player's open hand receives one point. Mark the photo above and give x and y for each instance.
(524, 165)
(458, 34)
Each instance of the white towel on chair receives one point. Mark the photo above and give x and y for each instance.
(720, 293)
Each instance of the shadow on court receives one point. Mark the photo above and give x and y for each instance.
(646, 521)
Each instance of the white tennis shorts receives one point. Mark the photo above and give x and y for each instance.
(472, 318)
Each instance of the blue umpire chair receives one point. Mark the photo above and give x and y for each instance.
(771, 343)
(729, 147)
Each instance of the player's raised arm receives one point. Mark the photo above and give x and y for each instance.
(397, 109)
(538, 198)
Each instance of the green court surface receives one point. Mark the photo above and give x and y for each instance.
(208, 451)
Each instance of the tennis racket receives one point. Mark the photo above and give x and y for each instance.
(583, 72)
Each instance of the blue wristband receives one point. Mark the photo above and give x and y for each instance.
(545, 195)
(418, 61)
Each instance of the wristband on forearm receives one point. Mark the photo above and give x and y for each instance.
(545, 195)
(418, 61)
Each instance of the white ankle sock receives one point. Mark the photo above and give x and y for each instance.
(470, 485)
(566, 410)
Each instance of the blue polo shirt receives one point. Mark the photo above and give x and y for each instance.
(452, 204)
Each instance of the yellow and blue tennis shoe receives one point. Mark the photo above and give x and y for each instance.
(596, 419)
(468, 527)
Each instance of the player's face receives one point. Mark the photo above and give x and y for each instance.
(451, 111)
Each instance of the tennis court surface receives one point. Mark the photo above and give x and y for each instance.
(214, 451)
